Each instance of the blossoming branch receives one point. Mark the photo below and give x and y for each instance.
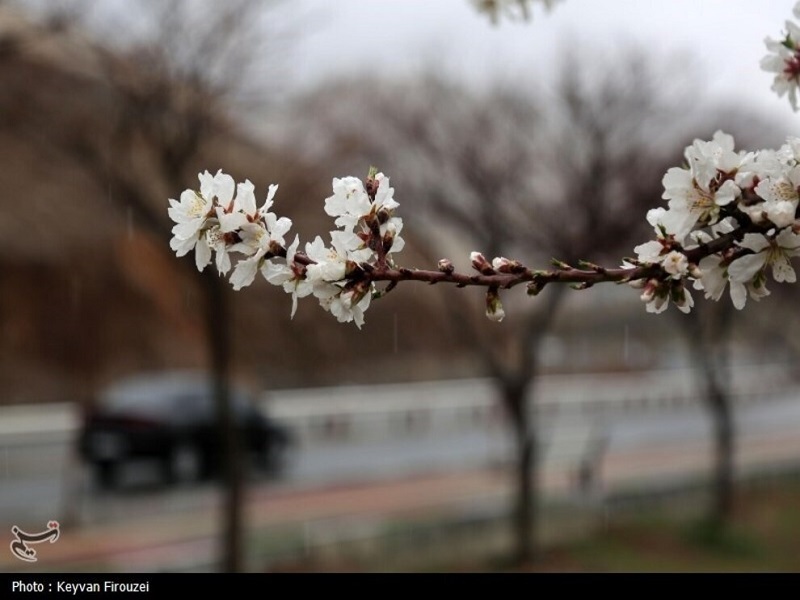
(730, 220)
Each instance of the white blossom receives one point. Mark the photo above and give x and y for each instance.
(773, 252)
(349, 202)
(649, 252)
(190, 215)
(245, 271)
(347, 307)
(714, 277)
(690, 204)
(657, 296)
(288, 275)
(755, 289)
(277, 227)
(780, 197)
(216, 240)
(219, 187)
(784, 60)
(706, 159)
(676, 264)
(331, 262)
(384, 197)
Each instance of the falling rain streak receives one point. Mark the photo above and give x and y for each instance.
(625, 345)
(395, 334)
(129, 222)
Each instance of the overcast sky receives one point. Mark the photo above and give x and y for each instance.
(725, 38)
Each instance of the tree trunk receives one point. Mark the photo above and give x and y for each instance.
(724, 438)
(525, 512)
(217, 321)
(708, 352)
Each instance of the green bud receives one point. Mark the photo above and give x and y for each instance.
(559, 264)
(534, 287)
(494, 308)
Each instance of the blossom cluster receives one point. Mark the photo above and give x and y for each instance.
(784, 60)
(750, 198)
(730, 221)
(222, 219)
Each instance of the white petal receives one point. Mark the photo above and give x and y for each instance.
(246, 198)
(276, 274)
(245, 273)
(202, 254)
(224, 186)
(398, 244)
(745, 268)
(738, 294)
(206, 185)
(188, 229)
(754, 241)
(788, 240)
(223, 260)
(649, 252)
(782, 270)
(231, 221)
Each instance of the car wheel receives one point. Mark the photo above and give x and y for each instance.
(107, 474)
(184, 463)
(273, 458)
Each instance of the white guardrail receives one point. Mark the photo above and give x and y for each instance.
(339, 410)
(336, 411)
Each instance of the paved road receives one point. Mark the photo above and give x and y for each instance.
(131, 529)
(170, 538)
(44, 480)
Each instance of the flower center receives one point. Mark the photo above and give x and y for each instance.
(792, 67)
(197, 208)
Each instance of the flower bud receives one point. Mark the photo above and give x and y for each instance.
(501, 263)
(649, 292)
(371, 184)
(355, 294)
(534, 287)
(681, 298)
(676, 264)
(388, 238)
(446, 266)
(637, 284)
(480, 264)
(494, 308)
(505, 265)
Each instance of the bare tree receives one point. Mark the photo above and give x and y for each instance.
(171, 79)
(708, 329)
(517, 174)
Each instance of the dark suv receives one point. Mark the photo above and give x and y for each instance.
(170, 418)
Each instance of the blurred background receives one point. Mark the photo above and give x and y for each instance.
(579, 434)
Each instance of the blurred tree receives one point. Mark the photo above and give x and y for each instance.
(510, 9)
(173, 76)
(517, 174)
(708, 328)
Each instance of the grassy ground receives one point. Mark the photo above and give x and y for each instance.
(665, 536)
(763, 537)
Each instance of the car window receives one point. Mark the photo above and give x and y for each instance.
(136, 404)
(193, 407)
(176, 399)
